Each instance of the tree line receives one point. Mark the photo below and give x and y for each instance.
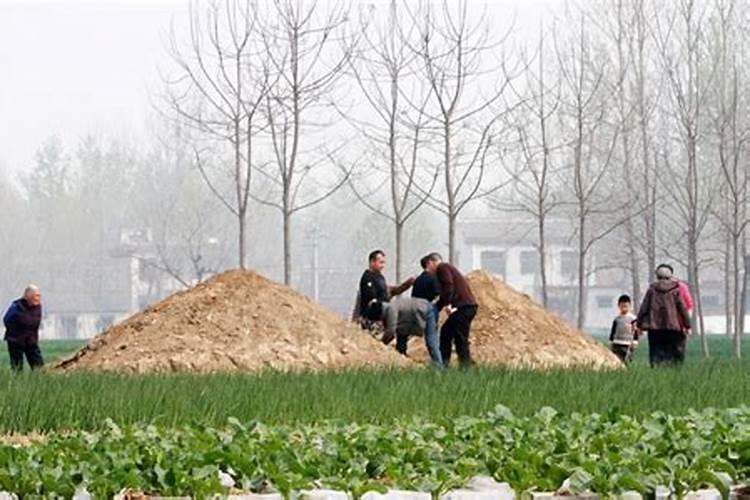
(626, 118)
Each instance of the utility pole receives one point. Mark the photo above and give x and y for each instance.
(316, 267)
(315, 234)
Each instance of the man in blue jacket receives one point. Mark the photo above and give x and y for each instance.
(22, 321)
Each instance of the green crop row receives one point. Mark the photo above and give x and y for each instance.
(43, 402)
(604, 453)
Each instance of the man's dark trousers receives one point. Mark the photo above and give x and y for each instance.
(456, 330)
(32, 353)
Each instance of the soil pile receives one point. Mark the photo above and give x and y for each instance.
(511, 329)
(237, 321)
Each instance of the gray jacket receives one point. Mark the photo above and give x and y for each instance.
(622, 330)
(405, 316)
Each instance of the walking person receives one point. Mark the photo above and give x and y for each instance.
(458, 300)
(687, 299)
(665, 317)
(623, 337)
(22, 321)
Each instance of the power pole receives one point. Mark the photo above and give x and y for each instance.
(314, 234)
(315, 266)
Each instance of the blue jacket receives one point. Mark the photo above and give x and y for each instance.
(22, 323)
(426, 287)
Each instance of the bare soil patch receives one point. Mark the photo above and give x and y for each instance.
(513, 330)
(237, 321)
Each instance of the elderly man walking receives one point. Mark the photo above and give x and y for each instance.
(22, 322)
(664, 315)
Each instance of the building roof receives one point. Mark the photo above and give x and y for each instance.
(514, 231)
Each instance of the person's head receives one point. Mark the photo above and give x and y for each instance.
(431, 261)
(32, 295)
(377, 260)
(664, 272)
(423, 262)
(624, 303)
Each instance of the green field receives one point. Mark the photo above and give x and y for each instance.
(43, 402)
(605, 454)
(416, 429)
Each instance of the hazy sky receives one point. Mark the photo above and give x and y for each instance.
(72, 68)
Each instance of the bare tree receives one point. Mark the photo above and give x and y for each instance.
(732, 133)
(592, 144)
(188, 237)
(636, 86)
(455, 51)
(218, 91)
(620, 28)
(533, 177)
(384, 69)
(679, 34)
(298, 40)
(646, 95)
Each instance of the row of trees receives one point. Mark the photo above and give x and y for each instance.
(62, 222)
(264, 85)
(624, 116)
(646, 102)
(68, 210)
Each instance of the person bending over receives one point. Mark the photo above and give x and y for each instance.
(458, 300)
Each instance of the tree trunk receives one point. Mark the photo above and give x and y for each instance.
(581, 274)
(701, 323)
(394, 177)
(635, 270)
(543, 262)
(451, 195)
(399, 250)
(452, 239)
(743, 304)
(242, 240)
(651, 222)
(694, 281)
(287, 248)
(728, 296)
(624, 106)
(736, 290)
(649, 183)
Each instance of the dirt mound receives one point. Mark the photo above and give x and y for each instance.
(511, 329)
(236, 321)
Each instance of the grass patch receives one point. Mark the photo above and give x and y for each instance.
(43, 402)
(51, 350)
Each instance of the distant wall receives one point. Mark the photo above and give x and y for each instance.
(77, 326)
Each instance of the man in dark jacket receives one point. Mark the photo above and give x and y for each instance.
(457, 298)
(374, 291)
(426, 286)
(22, 322)
(663, 315)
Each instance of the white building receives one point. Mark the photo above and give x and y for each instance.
(508, 249)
